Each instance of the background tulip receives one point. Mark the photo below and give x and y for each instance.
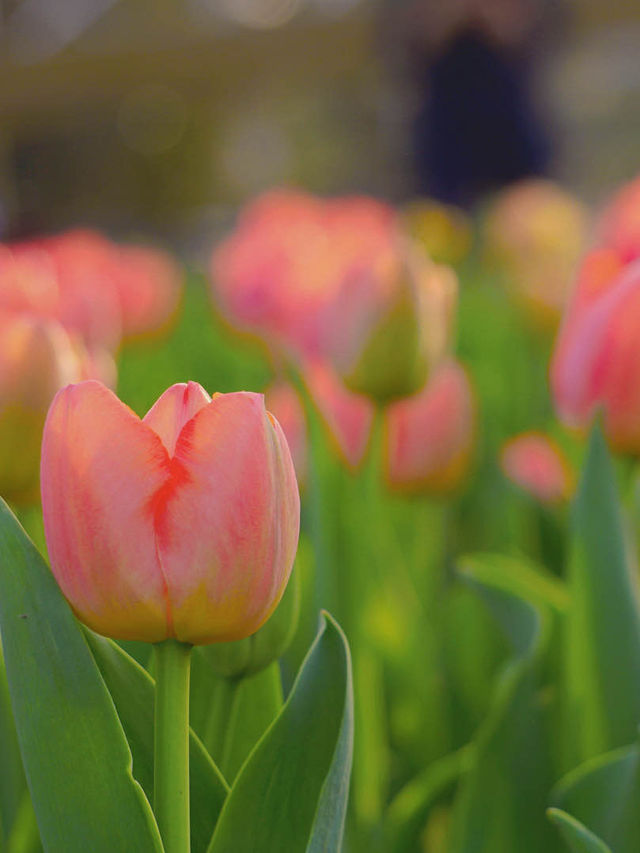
(619, 226)
(429, 436)
(536, 464)
(183, 524)
(596, 363)
(37, 358)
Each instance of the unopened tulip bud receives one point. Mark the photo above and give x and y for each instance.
(181, 525)
(537, 465)
(243, 658)
(37, 358)
(390, 323)
(429, 436)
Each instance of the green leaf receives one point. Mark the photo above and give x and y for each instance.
(76, 757)
(410, 808)
(604, 793)
(291, 793)
(579, 839)
(502, 798)
(12, 781)
(132, 690)
(603, 634)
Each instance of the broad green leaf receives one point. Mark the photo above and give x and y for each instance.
(132, 690)
(12, 781)
(76, 757)
(603, 793)
(579, 839)
(292, 791)
(502, 798)
(603, 634)
(410, 808)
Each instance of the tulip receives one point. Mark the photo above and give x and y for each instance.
(37, 358)
(442, 230)
(596, 362)
(429, 436)
(181, 525)
(536, 464)
(283, 402)
(619, 226)
(390, 323)
(277, 272)
(148, 283)
(536, 232)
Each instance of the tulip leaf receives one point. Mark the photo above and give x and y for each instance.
(76, 757)
(503, 795)
(292, 791)
(132, 690)
(12, 781)
(410, 808)
(603, 633)
(579, 839)
(603, 793)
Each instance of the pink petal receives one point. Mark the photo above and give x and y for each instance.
(173, 409)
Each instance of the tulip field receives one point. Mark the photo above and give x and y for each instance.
(325, 540)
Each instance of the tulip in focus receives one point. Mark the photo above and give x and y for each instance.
(536, 232)
(429, 437)
(537, 465)
(596, 362)
(181, 525)
(390, 324)
(37, 358)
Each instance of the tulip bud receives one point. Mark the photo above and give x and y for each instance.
(429, 437)
(390, 323)
(537, 465)
(243, 658)
(183, 524)
(596, 362)
(37, 358)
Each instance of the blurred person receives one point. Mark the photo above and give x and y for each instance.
(476, 127)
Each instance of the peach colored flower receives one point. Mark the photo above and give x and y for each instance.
(537, 465)
(183, 524)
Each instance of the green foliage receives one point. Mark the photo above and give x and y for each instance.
(579, 839)
(77, 760)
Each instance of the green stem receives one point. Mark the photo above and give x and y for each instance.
(171, 769)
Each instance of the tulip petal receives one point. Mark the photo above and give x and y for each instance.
(232, 515)
(173, 409)
(101, 469)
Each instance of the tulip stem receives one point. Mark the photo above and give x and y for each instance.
(171, 746)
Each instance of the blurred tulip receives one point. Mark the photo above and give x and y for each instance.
(390, 323)
(429, 437)
(148, 282)
(348, 417)
(444, 231)
(536, 232)
(37, 358)
(596, 362)
(183, 524)
(537, 465)
(275, 274)
(282, 400)
(619, 226)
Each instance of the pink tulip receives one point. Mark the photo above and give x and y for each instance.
(619, 227)
(275, 274)
(183, 524)
(596, 362)
(429, 436)
(536, 464)
(37, 358)
(284, 403)
(148, 283)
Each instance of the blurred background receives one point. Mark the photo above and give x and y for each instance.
(158, 119)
